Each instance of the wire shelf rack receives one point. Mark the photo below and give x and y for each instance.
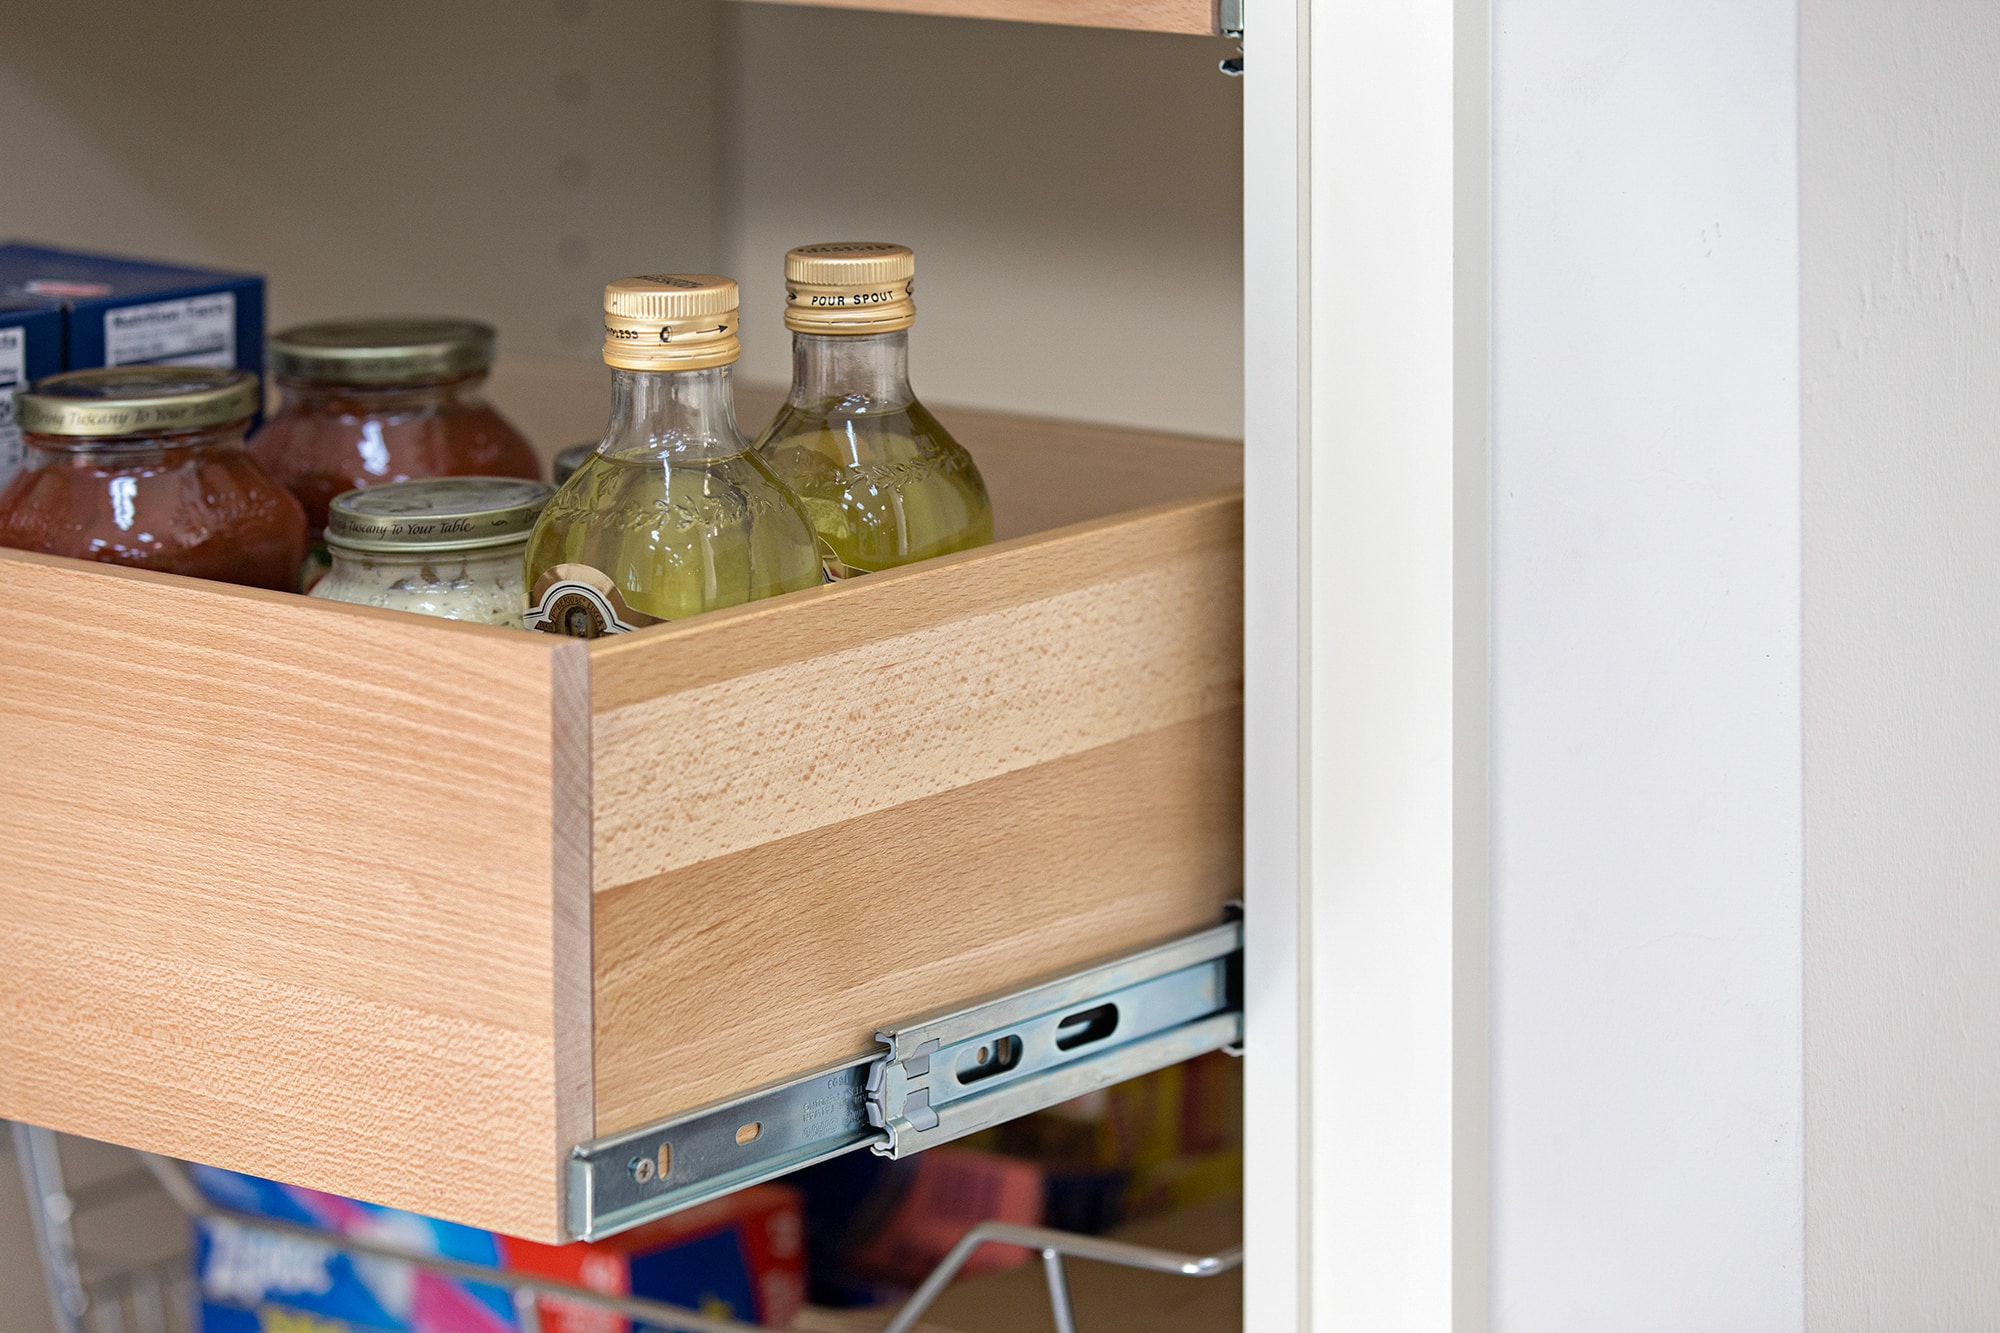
(159, 1296)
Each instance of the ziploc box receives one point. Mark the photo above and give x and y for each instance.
(30, 347)
(121, 312)
(740, 1257)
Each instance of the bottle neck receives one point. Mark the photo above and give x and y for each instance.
(661, 412)
(868, 372)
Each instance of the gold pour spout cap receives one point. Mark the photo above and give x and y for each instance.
(850, 287)
(670, 321)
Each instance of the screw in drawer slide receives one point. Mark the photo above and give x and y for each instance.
(940, 1078)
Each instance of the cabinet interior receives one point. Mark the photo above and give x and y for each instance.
(1073, 194)
(1074, 198)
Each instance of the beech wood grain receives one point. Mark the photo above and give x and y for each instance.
(769, 961)
(989, 766)
(277, 892)
(403, 909)
(1186, 16)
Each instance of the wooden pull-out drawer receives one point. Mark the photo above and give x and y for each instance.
(405, 909)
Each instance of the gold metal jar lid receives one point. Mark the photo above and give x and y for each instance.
(850, 287)
(670, 321)
(136, 400)
(435, 515)
(382, 351)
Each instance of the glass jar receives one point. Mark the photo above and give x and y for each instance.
(364, 402)
(883, 481)
(673, 513)
(450, 547)
(145, 466)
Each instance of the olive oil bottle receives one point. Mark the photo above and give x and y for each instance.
(674, 513)
(883, 482)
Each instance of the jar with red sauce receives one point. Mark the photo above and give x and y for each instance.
(145, 466)
(368, 401)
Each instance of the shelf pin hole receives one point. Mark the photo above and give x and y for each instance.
(749, 1132)
(1086, 1026)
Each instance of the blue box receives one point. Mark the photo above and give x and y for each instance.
(30, 347)
(120, 312)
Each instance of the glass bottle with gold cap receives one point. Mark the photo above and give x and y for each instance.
(883, 482)
(674, 513)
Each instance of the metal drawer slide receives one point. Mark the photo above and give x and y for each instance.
(940, 1077)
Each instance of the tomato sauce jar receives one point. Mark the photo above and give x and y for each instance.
(145, 466)
(368, 401)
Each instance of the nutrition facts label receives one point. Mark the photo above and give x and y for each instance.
(13, 366)
(193, 331)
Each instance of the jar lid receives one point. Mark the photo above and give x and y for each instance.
(381, 351)
(670, 321)
(435, 514)
(136, 400)
(850, 287)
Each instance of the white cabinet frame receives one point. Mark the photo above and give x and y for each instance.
(1365, 269)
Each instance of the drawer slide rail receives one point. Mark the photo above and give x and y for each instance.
(939, 1078)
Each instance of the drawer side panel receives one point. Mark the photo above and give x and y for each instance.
(811, 743)
(995, 766)
(771, 961)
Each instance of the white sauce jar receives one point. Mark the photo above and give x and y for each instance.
(443, 546)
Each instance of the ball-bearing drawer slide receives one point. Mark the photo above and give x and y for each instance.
(939, 1078)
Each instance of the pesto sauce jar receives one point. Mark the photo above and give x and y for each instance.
(446, 546)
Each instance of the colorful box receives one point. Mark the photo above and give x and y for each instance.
(30, 347)
(118, 312)
(947, 1192)
(740, 1257)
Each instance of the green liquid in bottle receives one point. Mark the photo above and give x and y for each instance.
(882, 488)
(672, 515)
(883, 481)
(679, 536)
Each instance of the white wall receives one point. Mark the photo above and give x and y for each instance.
(1901, 176)
(1074, 198)
(371, 156)
(1646, 785)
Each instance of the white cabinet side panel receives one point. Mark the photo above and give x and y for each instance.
(1900, 137)
(1277, 481)
(1382, 615)
(1646, 797)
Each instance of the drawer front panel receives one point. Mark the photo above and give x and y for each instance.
(276, 888)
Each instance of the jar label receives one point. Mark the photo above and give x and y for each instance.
(13, 371)
(581, 602)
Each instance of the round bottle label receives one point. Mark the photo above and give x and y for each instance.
(581, 602)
